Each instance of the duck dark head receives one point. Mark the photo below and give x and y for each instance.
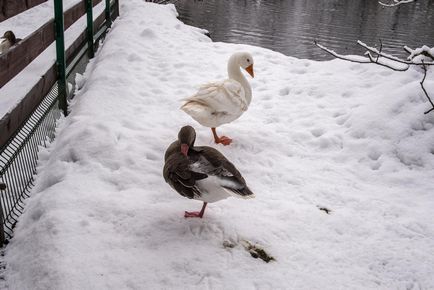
(9, 35)
(186, 137)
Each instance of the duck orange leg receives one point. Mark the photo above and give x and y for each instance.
(223, 139)
(197, 214)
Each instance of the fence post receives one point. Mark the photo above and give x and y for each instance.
(108, 17)
(2, 228)
(60, 56)
(89, 29)
(116, 8)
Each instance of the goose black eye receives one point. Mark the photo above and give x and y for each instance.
(248, 60)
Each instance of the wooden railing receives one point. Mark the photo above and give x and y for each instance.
(10, 8)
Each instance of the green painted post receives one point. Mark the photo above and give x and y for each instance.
(2, 229)
(60, 56)
(89, 29)
(107, 13)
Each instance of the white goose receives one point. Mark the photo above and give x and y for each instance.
(222, 102)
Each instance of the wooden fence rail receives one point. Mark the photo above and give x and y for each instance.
(10, 8)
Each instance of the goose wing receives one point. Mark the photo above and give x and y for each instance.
(224, 96)
(212, 163)
(178, 175)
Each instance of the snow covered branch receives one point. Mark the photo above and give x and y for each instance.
(423, 57)
(380, 58)
(396, 2)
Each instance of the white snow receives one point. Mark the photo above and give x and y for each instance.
(349, 137)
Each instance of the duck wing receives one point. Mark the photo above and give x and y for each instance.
(4, 45)
(224, 96)
(178, 175)
(212, 163)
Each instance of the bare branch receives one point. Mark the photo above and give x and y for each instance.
(424, 90)
(396, 3)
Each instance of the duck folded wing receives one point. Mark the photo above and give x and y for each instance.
(176, 172)
(4, 45)
(213, 163)
(228, 95)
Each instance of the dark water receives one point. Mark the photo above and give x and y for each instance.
(290, 26)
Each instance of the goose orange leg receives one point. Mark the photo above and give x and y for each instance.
(197, 214)
(223, 139)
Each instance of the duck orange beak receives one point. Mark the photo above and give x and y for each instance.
(184, 149)
(249, 69)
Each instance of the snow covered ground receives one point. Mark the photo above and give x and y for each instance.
(348, 137)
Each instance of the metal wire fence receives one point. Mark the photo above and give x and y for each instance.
(19, 158)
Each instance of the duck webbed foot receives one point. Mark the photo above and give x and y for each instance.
(196, 214)
(221, 140)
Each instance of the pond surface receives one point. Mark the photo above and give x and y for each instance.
(290, 26)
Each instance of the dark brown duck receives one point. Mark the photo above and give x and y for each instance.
(201, 172)
(7, 41)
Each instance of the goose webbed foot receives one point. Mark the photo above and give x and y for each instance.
(221, 140)
(195, 214)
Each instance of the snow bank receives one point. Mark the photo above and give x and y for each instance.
(348, 137)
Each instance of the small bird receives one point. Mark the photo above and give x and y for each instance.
(201, 172)
(222, 102)
(7, 41)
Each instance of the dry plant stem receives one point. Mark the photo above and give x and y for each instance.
(424, 90)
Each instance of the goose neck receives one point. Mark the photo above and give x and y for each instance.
(234, 72)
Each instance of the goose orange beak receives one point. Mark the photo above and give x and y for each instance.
(249, 69)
